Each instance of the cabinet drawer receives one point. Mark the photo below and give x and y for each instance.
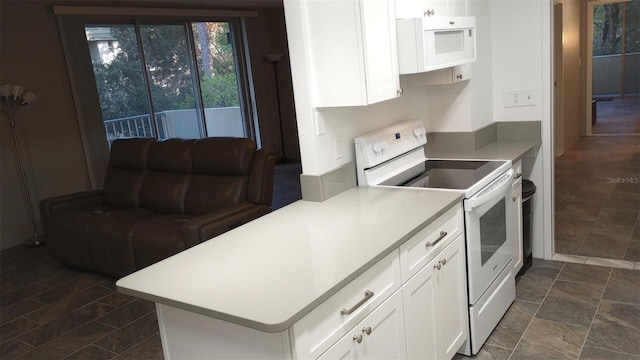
(420, 249)
(325, 325)
(381, 335)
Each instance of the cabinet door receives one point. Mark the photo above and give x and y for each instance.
(439, 7)
(381, 53)
(379, 336)
(516, 197)
(459, 7)
(450, 299)
(419, 314)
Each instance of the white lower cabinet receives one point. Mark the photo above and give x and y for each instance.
(412, 304)
(435, 306)
(379, 336)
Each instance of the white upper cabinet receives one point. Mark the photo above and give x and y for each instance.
(406, 9)
(353, 52)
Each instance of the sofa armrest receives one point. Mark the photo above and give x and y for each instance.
(207, 226)
(75, 201)
(261, 177)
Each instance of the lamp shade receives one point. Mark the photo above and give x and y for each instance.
(16, 95)
(17, 91)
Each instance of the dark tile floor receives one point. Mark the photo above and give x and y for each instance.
(570, 311)
(597, 192)
(49, 311)
(562, 311)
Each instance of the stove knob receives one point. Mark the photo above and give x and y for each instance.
(419, 131)
(377, 147)
(385, 145)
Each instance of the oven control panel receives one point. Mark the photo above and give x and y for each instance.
(378, 146)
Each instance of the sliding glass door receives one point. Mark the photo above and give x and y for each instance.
(168, 80)
(616, 49)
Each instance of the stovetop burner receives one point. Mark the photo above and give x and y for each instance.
(449, 174)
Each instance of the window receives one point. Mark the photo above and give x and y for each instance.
(168, 80)
(616, 48)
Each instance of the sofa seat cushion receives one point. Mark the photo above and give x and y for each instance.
(159, 238)
(109, 237)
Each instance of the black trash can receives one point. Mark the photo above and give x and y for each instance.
(528, 190)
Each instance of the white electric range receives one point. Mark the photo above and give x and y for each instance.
(395, 157)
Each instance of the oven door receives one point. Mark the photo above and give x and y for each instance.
(489, 231)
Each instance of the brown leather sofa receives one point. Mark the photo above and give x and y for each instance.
(159, 198)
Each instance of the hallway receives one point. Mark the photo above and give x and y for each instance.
(597, 194)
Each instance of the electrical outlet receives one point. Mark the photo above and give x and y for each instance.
(338, 147)
(513, 98)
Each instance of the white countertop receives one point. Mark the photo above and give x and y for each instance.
(269, 273)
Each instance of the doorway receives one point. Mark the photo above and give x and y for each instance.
(597, 183)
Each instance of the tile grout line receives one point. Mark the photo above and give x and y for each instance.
(73, 329)
(596, 312)
(537, 310)
(91, 344)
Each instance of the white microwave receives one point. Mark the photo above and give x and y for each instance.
(431, 43)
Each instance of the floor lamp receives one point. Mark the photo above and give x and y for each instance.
(12, 98)
(274, 58)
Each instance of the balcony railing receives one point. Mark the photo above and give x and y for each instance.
(224, 121)
(131, 126)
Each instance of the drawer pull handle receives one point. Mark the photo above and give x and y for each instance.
(357, 338)
(367, 330)
(518, 175)
(367, 295)
(442, 235)
(444, 262)
(438, 266)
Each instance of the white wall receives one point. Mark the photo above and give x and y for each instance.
(47, 129)
(517, 59)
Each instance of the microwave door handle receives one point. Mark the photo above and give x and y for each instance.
(504, 183)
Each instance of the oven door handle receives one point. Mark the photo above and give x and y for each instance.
(496, 189)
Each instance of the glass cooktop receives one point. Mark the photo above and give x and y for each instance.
(448, 174)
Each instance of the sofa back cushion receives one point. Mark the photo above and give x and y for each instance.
(186, 176)
(126, 173)
(168, 172)
(220, 173)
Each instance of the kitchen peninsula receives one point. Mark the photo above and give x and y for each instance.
(240, 294)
